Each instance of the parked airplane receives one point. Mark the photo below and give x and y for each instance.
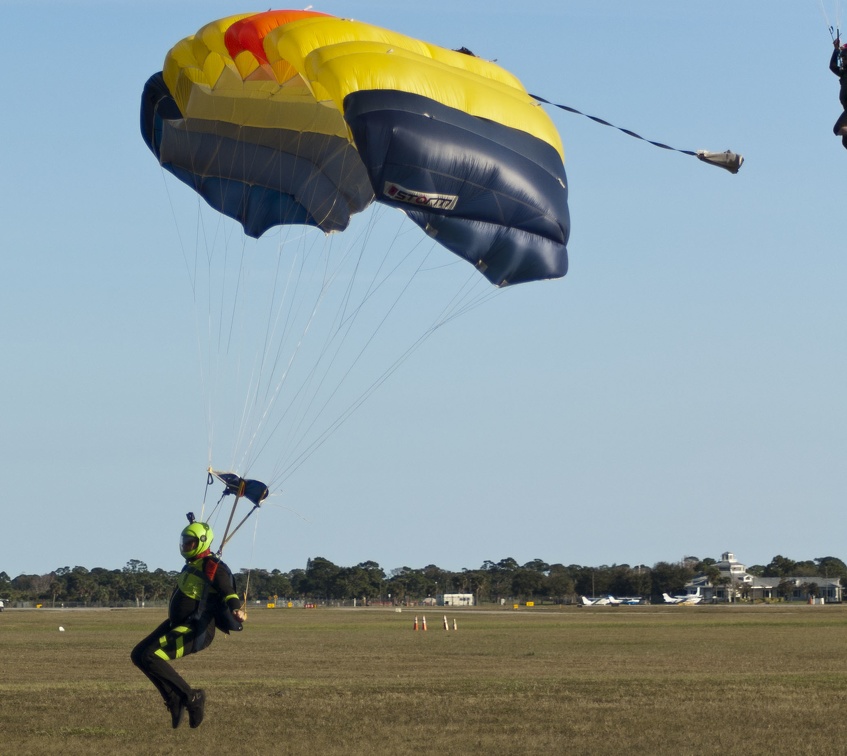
(602, 601)
(609, 601)
(687, 599)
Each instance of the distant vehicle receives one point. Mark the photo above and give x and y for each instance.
(687, 599)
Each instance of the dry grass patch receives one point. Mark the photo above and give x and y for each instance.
(608, 680)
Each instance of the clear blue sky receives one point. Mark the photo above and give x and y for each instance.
(680, 392)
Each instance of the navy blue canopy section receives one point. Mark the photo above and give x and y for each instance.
(252, 490)
(262, 177)
(491, 194)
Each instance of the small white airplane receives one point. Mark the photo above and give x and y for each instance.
(688, 599)
(602, 601)
(609, 601)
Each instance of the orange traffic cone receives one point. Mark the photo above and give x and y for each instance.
(416, 623)
(424, 624)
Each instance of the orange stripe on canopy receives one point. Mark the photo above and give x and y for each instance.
(249, 33)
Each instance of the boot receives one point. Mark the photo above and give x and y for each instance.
(177, 709)
(195, 706)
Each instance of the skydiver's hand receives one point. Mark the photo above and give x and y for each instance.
(240, 615)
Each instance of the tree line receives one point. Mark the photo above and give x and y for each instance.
(367, 582)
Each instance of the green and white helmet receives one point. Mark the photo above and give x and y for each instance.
(195, 539)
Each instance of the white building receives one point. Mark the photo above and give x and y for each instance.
(737, 583)
(456, 599)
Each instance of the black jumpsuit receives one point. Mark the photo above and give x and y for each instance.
(189, 628)
(838, 66)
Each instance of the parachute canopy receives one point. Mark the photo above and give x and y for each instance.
(300, 117)
(252, 490)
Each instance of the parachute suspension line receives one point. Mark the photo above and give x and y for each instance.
(250, 568)
(451, 311)
(254, 382)
(335, 340)
(271, 396)
(728, 160)
(217, 324)
(254, 393)
(463, 301)
(209, 481)
(182, 246)
(307, 386)
(834, 31)
(308, 392)
(347, 319)
(826, 21)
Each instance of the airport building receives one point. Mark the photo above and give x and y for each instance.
(736, 583)
(455, 599)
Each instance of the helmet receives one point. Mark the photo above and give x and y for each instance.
(195, 539)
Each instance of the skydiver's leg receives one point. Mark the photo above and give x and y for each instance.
(165, 644)
(840, 124)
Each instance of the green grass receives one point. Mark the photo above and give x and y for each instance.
(627, 680)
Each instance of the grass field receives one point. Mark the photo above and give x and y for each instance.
(624, 680)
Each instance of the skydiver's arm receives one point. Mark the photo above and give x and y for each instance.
(225, 585)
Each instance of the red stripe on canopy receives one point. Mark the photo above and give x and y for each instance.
(249, 33)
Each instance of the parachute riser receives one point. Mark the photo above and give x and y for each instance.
(252, 490)
(226, 537)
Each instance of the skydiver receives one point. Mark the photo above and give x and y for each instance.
(205, 596)
(838, 66)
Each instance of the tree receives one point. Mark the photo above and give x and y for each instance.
(806, 568)
(136, 581)
(785, 589)
(278, 584)
(364, 580)
(713, 574)
(500, 576)
(726, 582)
(780, 567)
(526, 583)
(135, 566)
(299, 582)
(669, 577)
(321, 577)
(475, 582)
(537, 565)
(559, 584)
(828, 567)
(408, 584)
